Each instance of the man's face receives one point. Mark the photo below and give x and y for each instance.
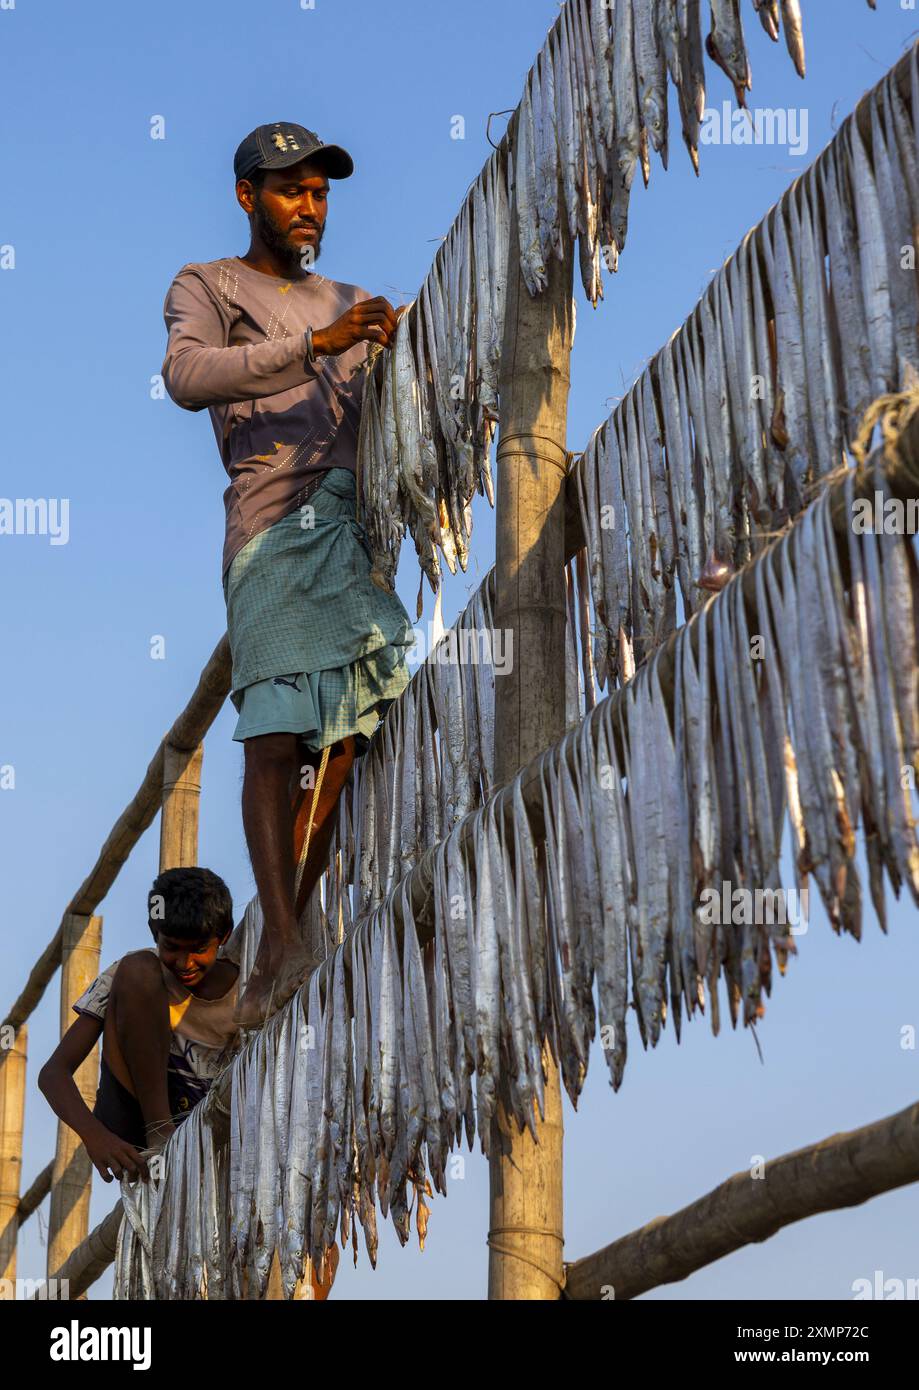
(289, 212)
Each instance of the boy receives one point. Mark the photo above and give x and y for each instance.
(166, 1018)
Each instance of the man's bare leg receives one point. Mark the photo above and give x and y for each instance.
(323, 812)
(268, 821)
(273, 765)
(138, 1037)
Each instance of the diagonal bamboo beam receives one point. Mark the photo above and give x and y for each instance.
(92, 1256)
(31, 1200)
(186, 733)
(844, 1170)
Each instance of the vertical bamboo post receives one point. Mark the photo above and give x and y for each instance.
(525, 1231)
(181, 801)
(12, 1105)
(71, 1180)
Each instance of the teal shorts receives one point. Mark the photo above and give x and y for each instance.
(302, 596)
(298, 704)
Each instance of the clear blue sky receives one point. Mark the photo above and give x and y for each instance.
(101, 218)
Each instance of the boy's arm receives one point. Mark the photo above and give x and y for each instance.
(56, 1083)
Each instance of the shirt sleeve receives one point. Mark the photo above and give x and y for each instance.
(94, 1001)
(201, 369)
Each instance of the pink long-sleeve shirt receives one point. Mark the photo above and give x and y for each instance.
(237, 347)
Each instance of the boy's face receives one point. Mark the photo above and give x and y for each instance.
(188, 959)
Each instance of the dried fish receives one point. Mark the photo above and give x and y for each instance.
(793, 25)
(562, 934)
(648, 842)
(546, 157)
(487, 985)
(627, 126)
(846, 296)
(531, 259)
(898, 230)
(691, 88)
(567, 124)
(900, 826)
(651, 72)
(826, 394)
(768, 11)
(726, 46)
(609, 934)
(872, 244)
(586, 483)
(791, 354)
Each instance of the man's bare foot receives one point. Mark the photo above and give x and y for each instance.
(296, 967)
(269, 990)
(251, 1007)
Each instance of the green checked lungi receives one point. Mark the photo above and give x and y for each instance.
(318, 649)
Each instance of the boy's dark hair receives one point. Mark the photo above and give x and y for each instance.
(190, 903)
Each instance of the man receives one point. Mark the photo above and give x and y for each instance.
(274, 351)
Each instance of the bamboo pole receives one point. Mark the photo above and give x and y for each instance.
(181, 802)
(92, 1256)
(841, 1171)
(186, 733)
(71, 1181)
(12, 1106)
(32, 1199)
(525, 1235)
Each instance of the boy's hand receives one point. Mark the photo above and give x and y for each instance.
(371, 321)
(114, 1157)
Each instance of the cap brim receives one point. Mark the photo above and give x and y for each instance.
(336, 161)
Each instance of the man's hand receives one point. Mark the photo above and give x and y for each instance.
(371, 321)
(114, 1157)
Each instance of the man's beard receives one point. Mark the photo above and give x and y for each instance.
(295, 257)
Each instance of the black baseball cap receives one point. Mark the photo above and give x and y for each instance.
(283, 143)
